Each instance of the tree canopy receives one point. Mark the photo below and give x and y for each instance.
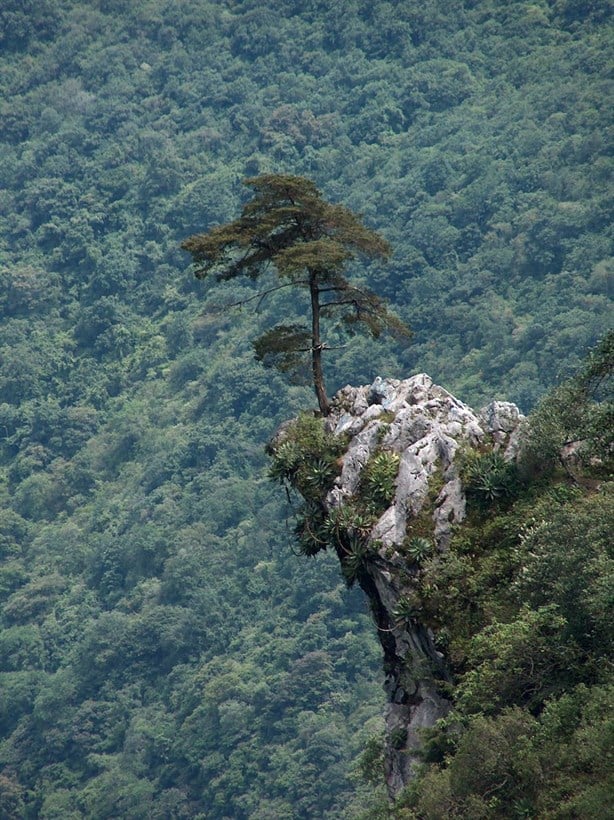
(309, 241)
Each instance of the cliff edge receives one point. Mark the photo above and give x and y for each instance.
(383, 486)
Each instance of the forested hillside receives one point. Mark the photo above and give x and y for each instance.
(163, 651)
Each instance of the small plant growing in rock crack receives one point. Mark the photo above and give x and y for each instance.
(405, 612)
(419, 548)
(353, 558)
(489, 477)
(378, 481)
(347, 521)
(319, 475)
(398, 737)
(311, 531)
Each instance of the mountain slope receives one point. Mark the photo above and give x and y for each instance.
(162, 647)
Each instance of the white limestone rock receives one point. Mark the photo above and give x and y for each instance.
(503, 420)
(427, 427)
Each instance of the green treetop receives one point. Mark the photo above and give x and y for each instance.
(309, 242)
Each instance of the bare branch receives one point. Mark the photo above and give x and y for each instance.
(343, 302)
(262, 294)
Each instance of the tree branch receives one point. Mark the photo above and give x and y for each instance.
(262, 294)
(356, 304)
(345, 288)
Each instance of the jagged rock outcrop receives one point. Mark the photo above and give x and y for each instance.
(426, 427)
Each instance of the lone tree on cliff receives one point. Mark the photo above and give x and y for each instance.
(309, 242)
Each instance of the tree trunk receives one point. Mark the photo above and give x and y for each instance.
(316, 345)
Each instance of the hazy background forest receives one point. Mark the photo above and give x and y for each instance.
(163, 652)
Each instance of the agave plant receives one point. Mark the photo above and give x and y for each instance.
(489, 477)
(348, 521)
(310, 532)
(404, 612)
(285, 463)
(419, 548)
(316, 477)
(378, 482)
(354, 558)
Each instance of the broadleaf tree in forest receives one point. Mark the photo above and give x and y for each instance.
(309, 242)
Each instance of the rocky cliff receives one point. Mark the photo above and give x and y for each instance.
(395, 494)
(425, 426)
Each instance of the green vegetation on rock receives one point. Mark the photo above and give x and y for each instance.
(522, 604)
(519, 599)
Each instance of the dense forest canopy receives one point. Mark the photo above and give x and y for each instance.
(475, 140)
(163, 652)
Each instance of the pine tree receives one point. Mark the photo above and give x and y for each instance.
(309, 242)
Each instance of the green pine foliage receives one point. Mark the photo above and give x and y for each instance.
(287, 225)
